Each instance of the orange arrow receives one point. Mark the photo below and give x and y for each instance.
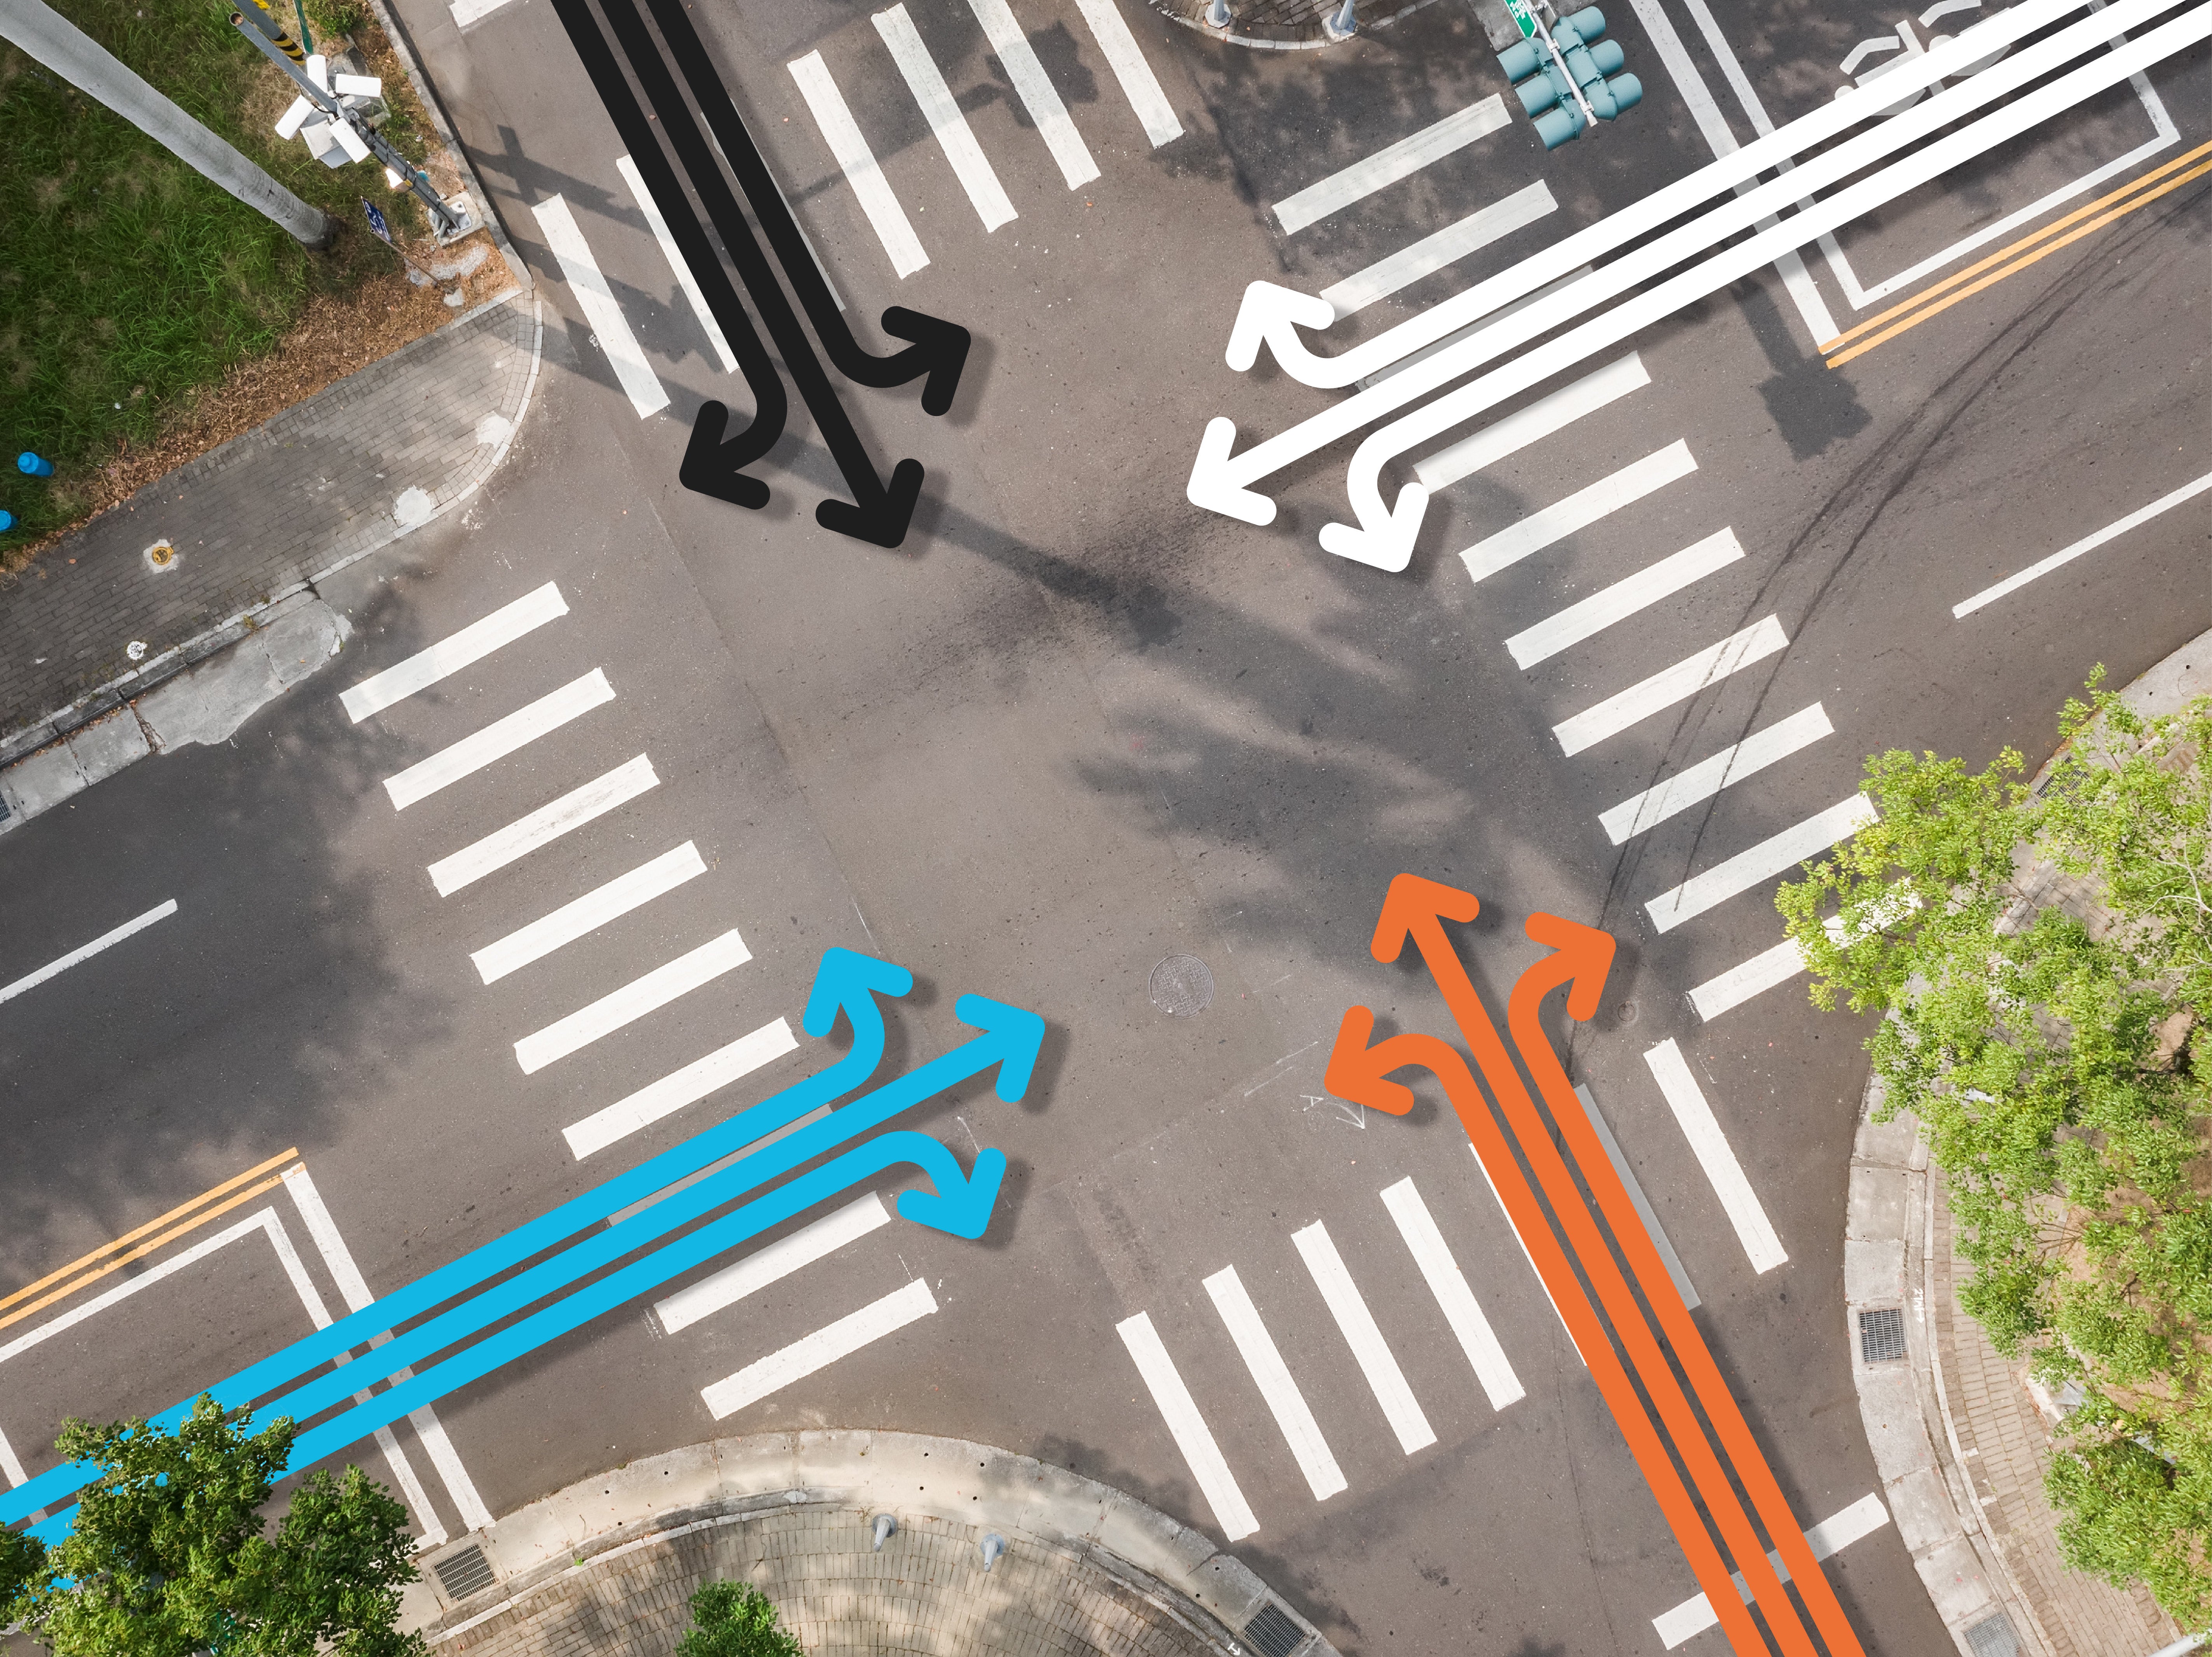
(1416, 908)
(1360, 1074)
(1581, 958)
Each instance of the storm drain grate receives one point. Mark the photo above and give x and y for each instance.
(1181, 984)
(465, 1573)
(1272, 1634)
(1881, 1335)
(1993, 1638)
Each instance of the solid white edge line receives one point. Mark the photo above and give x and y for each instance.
(1441, 248)
(833, 119)
(1609, 606)
(955, 137)
(1139, 84)
(1709, 776)
(1365, 1336)
(1711, 1147)
(633, 1001)
(1263, 1360)
(1670, 685)
(1035, 89)
(1585, 507)
(1387, 166)
(502, 738)
(86, 951)
(1179, 1413)
(601, 311)
(2086, 543)
(687, 1086)
(772, 1264)
(540, 828)
(594, 909)
(1454, 1295)
(1641, 1203)
(1540, 419)
(818, 1351)
(1830, 1536)
(1776, 855)
(659, 222)
(478, 640)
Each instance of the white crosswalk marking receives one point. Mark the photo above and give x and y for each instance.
(1454, 1297)
(820, 1350)
(662, 984)
(1585, 507)
(1623, 599)
(499, 739)
(608, 324)
(1034, 88)
(1446, 246)
(1188, 1428)
(1532, 424)
(548, 822)
(1770, 858)
(946, 124)
(1139, 84)
(1388, 166)
(572, 920)
(1701, 781)
(1349, 1307)
(1670, 685)
(842, 134)
(687, 1306)
(1711, 1146)
(677, 262)
(1732, 988)
(1272, 1377)
(687, 1086)
(450, 655)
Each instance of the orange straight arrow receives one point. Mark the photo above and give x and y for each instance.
(1581, 956)
(1360, 1074)
(1417, 908)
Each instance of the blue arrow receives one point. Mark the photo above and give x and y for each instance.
(961, 1204)
(845, 980)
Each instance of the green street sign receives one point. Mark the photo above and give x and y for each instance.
(1524, 14)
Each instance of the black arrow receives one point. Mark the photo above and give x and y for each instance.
(712, 464)
(939, 349)
(879, 513)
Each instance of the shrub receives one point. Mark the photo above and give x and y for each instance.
(735, 1619)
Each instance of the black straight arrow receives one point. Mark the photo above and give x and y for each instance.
(939, 349)
(712, 464)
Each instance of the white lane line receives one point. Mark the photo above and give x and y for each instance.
(2086, 543)
(662, 984)
(1585, 507)
(816, 1115)
(1701, 781)
(1532, 424)
(1831, 1536)
(1616, 603)
(1525, 1254)
(1738, 1200)
(86, 951)
(1272, 1377)
(946, 124)
(820, 1350)
(261, 1219)
(772, 1264)
(601, 310)
(1454, 1298)
(1349, 1307)
(1641, 1204)
(1732, 988)
(1670, 685)
(858, 162)
(1139, 84)
(1774, 855)
(1034, 88)
(1188, 1428)
(687, 1086)
(466, 12)
(1483, 321)
(353, 1288)
(572, 919)
(547, 824)
(499, 739)
(1387, 166)
(451, 654)
(1444, 247)
(674, 255)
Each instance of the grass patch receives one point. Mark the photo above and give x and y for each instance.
(130, 284)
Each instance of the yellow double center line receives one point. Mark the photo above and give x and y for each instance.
(113, 1256)
(2018, 256)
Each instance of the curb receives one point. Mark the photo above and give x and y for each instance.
(1039, 1509)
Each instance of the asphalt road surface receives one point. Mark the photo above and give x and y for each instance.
(1075, 727)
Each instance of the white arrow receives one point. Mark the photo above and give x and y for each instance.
(1385, 537)
(1220, 480)
(1274, 314)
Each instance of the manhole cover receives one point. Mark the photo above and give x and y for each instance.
(1181, 984)
(161, 557)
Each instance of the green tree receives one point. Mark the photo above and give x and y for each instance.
(168, 1555)
(735, 1619)
(2043, 960)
